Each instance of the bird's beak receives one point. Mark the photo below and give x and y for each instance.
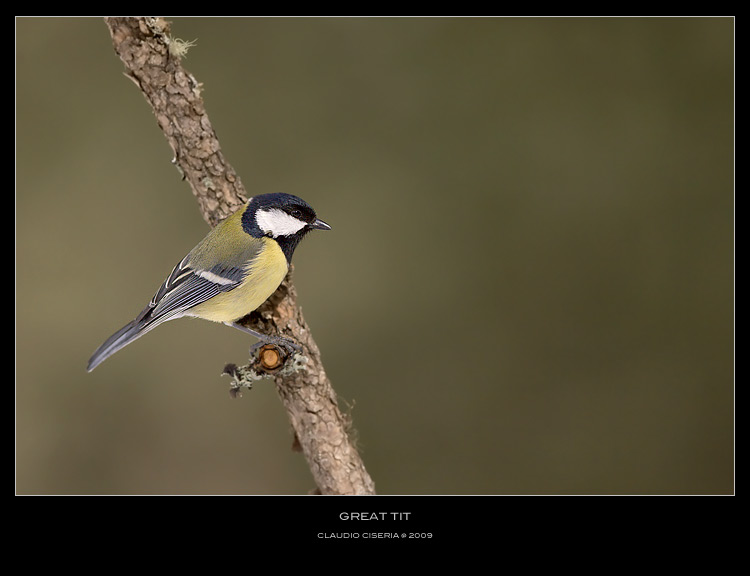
(320, 225)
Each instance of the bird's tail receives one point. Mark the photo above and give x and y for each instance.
(124, 336)
(118, 340)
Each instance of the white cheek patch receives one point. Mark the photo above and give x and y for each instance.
(278, 223)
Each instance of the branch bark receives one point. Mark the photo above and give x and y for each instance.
(152, 60)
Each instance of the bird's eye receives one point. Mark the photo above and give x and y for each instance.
(296, 213)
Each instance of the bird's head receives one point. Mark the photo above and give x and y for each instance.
(283, 217)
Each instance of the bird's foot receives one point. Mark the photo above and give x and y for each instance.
(287, 344)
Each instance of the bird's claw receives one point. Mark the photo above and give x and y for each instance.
(287, 344)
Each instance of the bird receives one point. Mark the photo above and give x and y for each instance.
(230, 273)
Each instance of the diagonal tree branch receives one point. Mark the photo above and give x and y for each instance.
(152, 60)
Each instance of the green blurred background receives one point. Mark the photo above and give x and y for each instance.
(529, 287)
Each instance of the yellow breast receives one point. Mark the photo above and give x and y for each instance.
(266, 272)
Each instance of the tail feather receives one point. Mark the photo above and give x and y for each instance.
(124, 336)
(118, 340)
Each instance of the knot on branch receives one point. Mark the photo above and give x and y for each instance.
(268, 361)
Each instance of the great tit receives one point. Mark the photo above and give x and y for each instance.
(236, 267)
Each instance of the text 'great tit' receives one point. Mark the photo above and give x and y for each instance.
(233, 270)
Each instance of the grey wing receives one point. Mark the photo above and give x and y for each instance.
(186, 287)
